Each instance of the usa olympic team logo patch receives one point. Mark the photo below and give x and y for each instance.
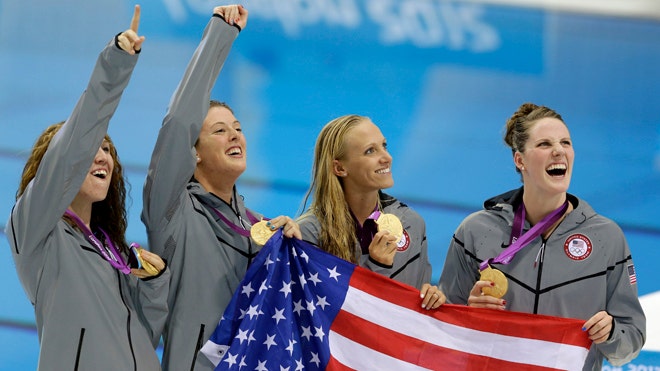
(404, 242)
(578, 247)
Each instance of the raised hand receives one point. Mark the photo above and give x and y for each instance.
(233, 14)
(129, 40)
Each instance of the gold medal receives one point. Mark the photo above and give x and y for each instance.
(390, 223)
(146, 265)
(498, 278)
(261, 233)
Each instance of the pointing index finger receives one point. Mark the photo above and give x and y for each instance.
(135, 22)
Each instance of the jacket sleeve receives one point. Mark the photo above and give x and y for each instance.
(173, 159)
(426, 268)
(459, 271)
(66, 162)
(623, 305)
(150, 297)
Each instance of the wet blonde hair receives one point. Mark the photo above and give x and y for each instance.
(108, 214)
(328, 204)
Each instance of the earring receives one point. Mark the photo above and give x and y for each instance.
(198, 159)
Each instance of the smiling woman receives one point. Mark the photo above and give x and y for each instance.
(348, 209)
(560, 257)
(66, 233)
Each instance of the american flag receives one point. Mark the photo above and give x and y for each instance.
(299, 308)
(631, 274)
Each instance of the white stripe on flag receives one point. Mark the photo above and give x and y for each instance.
(425, 328)
(359, 357)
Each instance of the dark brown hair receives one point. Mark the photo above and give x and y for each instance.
(108, 214)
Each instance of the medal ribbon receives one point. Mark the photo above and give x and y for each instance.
(108, 251)
(517, 241)
(240, 230)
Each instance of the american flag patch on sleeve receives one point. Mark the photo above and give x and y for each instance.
(631, 274)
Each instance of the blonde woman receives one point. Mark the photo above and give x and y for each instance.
(351, 167)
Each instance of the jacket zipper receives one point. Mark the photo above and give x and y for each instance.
(128, 320)
(80, 343)
(539, 261)
(198, 346)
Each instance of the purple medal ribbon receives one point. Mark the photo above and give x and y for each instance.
(242, 231)
(108, 251)
(517, 242)
(375, 215)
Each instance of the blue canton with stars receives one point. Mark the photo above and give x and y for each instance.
(279, 318)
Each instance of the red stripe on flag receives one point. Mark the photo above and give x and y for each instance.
(415, 351)
(564, 330)
(334, 365)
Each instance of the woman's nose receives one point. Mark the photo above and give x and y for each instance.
(101, 156)
(557, 150)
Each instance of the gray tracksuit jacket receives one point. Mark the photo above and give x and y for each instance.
(89, 315)
(207, 258)
(585, 266)
(411, 262)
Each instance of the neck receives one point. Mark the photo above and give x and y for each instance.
(537, 208)
(83, 211)
(362, 205)
(223, 188)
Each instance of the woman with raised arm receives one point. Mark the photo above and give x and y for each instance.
(194, 215)
(95, 310)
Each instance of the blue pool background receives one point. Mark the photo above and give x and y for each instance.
(439, 78)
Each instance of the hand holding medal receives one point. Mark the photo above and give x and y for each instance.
(390, 223)
(500, 283)
(148, 263)
(517, 242)
(261, 232)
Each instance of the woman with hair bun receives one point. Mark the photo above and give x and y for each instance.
(555, 253)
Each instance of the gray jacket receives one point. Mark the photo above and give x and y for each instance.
(207, 258)
(411, 263)
(89, 315)
(584, 267)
